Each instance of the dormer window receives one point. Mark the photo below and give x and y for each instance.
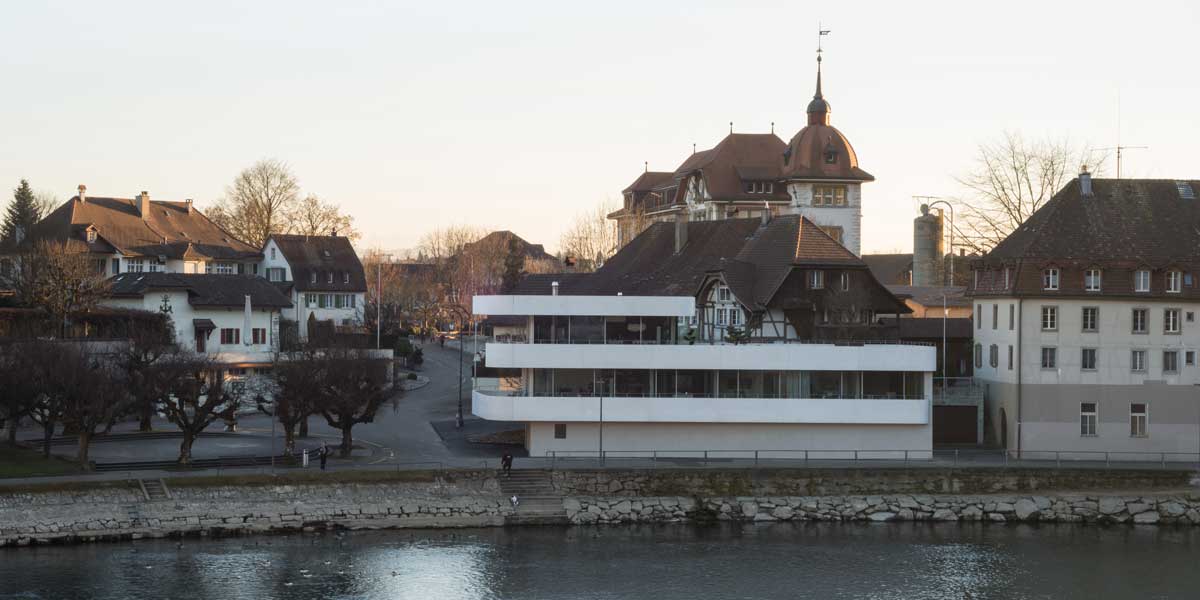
(831, 157)
(1141, 280)
(760, 187)
(91, 236)
(346, 277)
(1091, 280)
(1050, 279)
(1174, 282)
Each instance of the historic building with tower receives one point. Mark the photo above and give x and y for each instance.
(815, 175)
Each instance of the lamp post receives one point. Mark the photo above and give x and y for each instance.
(937, 200)
(379, 297)
(465, 316)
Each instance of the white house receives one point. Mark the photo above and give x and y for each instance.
(638, 358)
(1085, 328)
(321, 275)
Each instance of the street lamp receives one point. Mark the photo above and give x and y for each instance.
(461, 312)
(379, 297)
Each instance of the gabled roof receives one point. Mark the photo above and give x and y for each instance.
(498, 241)
(648, 181)
(203, 290)
(171, 229)
(753, 259)
(932, 295)
(1149, 222)
(890, 269)
(322, 254)
(736, 160)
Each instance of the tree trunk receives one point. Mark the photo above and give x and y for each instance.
(347, 441)
(147, 414)
(47, 433)
(304, 427)
(85, 440)
(289, 440)
(185, 447)
(11, 422)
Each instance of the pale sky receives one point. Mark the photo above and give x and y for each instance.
(519, 115)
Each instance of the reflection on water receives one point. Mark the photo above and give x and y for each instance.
(663, 562)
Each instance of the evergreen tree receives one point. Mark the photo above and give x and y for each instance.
(21, 215)
(514, 266)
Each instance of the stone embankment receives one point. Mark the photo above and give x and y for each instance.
(229, 506)
(124, 513)
(1183, 509)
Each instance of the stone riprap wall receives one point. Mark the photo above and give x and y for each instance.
(124, 513)
(845, 482)
(1183, 509)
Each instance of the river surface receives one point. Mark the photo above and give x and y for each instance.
(662, 562)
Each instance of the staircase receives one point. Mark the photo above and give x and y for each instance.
(540, 503)
(154, 489)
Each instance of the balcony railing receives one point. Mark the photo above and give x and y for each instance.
(521, 392)
(522, 339)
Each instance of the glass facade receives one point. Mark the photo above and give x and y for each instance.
(670, 383)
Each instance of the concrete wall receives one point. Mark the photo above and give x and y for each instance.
(625, 439)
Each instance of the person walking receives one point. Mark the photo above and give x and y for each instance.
(323, 454)
(506, 464)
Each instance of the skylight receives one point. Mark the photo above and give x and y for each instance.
(1185, 190)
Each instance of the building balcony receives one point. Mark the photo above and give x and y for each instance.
(513, 406)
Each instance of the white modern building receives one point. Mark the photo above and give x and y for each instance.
(637, 358)
(1085, 328)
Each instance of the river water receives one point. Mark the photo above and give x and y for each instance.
(662, 562)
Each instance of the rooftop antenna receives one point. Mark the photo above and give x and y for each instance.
(772, 126)
(731, 127)
(1120, 148)
(693, 147)
(646, 166)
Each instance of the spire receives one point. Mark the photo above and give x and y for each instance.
(818, 109)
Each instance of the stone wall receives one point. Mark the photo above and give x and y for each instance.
(836, 482)
(1183, 509)
(124, 513)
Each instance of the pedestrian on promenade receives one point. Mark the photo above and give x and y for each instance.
(506, 464)
(323, 453)
(515, 502)
(442, 339)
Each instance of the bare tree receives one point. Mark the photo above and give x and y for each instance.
(61, 281)
(353, 390)
(198, 397)
(259, 202)
(82, 389)
(19, 389)
(313, 216)
(1012, 178)
(592, 239)
(149, 347)
(299, 376)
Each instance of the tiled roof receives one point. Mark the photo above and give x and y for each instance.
(754, 155)
(203, 290)
(890, 269)
(497, 241)
(754, 260)
(931, 295)
(1125, 225)
(322, 254)
(806, 156)
(649, 180)
(172, 229)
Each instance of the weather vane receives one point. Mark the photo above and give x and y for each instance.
(821, 32)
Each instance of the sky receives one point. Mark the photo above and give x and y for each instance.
(521, 115)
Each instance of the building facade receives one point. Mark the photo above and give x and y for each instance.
(323, 278)
(729, 336)
(1084, 322)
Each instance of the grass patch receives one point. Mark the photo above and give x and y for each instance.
(22, 462)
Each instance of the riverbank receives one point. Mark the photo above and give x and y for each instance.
(208, 506)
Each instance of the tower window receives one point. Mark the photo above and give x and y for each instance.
(831, 157)
(829, 195)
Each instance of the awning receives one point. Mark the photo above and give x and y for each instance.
(203, 324)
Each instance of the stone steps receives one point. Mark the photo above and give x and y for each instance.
(154, 489)
(538, 502)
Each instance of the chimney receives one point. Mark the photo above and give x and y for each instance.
(554, 288)
(681, 231)
(82, 193)
(332, 233)
(1085, 183)
(144, 204)
(766, 214)
(189, 205)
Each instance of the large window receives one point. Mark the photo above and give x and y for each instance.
(1087, 359)
(1174, 282)
(1049, 318)
(1171, 320)
(1137, 419)
(259, 334)
(816, 280)
(1139, 320)
(1050, 279)
(135, 265)
(1170, 361)
(1087, 419)
(231, 336)
(1091, 280)
(1091, 318)
(1049, 358)
(1137, 361)
(1141, 280)
(829, 195)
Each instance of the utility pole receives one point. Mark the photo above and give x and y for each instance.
(379, 297)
